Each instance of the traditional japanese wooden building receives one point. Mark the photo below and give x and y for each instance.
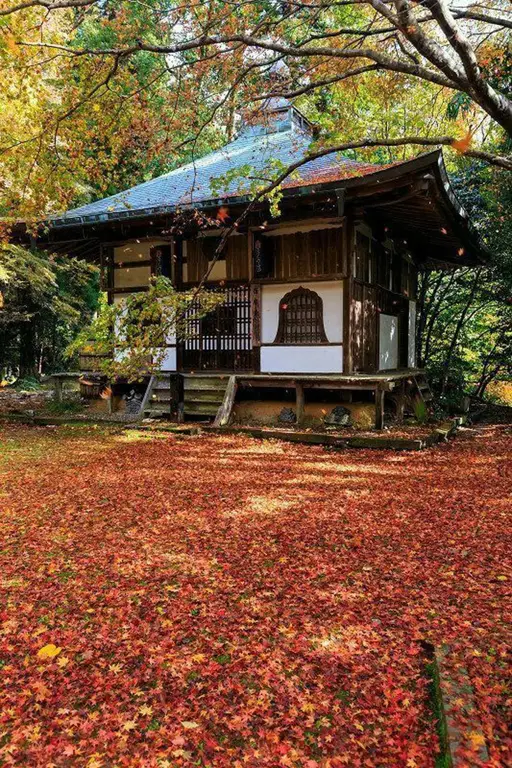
(324, 296)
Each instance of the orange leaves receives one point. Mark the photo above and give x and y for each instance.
(462, 145)
(11, 45)
(286, 635)
(223, 214)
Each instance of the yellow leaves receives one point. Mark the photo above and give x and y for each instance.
(49, 651)
(477, 739)
(189, 724)
(129, 725)
(198, 658)
(115, 668)
(145, 710)
(307, 707)
(63, 661)
(501, 578)
(95, 761)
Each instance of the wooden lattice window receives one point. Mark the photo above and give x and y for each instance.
(301, 318)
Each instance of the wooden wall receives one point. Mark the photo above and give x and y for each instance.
(319, 253)
(200, 251)
(382, 282)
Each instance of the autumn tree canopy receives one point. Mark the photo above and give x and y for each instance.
(99, 93)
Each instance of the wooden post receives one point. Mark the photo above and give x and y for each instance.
(379, 408)
(58, 389)
(299, 402)
(255, 302)
(226, 407)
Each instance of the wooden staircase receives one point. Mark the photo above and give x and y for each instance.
(159, 400)
(421, 389)
(203, 394)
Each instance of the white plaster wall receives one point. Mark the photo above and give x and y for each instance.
(131, 277)
(126, 277)
(298, 359)
(388, 342)
(411, 346)
(331, 294)
(316, 358)
(169, 361)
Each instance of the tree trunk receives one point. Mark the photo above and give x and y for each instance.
(458, 328)
(27, 349)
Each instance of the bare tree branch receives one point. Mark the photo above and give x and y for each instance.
(50, 6)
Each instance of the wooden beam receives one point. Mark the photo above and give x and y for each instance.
(299, 402)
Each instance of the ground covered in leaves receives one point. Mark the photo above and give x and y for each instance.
(218, 601)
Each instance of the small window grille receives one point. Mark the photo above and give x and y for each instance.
(301, 318)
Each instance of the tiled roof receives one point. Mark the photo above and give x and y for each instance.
(256, 149)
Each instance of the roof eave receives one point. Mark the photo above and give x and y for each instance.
(432, 160)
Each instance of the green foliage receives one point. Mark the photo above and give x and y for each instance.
(27, 384)
(420, 411)
(246, 182)
(132, 335)
(467, 338)
(46, 299)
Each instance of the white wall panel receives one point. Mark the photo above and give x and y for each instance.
(169, 361)
(131, 277)
(299, 359)
(331, 294)
(388, 342)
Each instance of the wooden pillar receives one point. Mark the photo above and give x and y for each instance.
(299, 402)
(177, 259)
(255, 303)
(379, 408)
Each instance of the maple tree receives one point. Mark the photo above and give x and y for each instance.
(132, 336)
(219, 601)
(218, 56)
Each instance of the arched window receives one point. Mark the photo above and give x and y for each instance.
(301, 318)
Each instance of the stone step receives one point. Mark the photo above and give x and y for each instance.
(161, 385)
